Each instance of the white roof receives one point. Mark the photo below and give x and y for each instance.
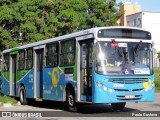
(73, 35)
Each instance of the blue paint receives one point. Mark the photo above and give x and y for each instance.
(106, 96)
(55, 93)
(84, 98)
(109, 92)
(5, 86)
(29, 84)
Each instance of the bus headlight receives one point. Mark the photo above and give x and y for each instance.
(151, 86)
(110, 90)
(146, 89)
(99, 84)
(104, 88)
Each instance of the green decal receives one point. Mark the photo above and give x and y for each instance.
(6, 75)
(20, 74)
(14, 51)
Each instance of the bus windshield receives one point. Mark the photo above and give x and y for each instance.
(124, 58)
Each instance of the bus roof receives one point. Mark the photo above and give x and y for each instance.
(72, 35)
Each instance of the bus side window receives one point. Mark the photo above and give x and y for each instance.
(6, 63)
(21, 60)
(67, 55)
(52, 54)
(29, 58)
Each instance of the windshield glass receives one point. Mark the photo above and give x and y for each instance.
(123, 58)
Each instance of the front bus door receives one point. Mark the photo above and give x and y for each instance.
(86, 69)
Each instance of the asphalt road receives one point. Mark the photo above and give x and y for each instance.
(58, 110)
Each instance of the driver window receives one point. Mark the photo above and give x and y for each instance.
(109, 55)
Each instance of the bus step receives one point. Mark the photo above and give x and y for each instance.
(38, 99)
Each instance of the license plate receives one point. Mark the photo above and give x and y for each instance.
(129, 96)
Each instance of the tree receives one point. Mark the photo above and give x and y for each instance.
(41, 19)
(158, 56)
(101, 13)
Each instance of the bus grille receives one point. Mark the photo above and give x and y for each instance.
(121, 90)
(127, 90)
(127, 80)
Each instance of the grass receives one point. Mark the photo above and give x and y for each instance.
(7, 99)
(157, 79)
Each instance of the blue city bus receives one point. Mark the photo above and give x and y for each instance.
(100, 65)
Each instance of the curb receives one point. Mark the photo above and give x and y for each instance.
(10, 105)
(7, 105)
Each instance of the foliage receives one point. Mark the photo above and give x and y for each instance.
(7, 99)
(42, 19)
(158, 55)
(157, 78)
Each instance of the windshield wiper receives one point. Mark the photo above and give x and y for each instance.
(137, 47)
(135, 50)
(121, 54)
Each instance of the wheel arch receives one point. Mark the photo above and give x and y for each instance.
(20, 88)
(68, 87)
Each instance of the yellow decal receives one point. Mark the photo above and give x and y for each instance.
(55, 77)
(56, 93)
(49, 73)
(147, 84)
(109, 65)
(61, 72)
(51, 87)
(61, 87)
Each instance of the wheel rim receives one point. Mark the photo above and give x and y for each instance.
(70, 100)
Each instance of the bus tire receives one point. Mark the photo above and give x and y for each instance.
(22, 95)
(70, 100)
(118, 106)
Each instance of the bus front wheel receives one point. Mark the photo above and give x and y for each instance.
(22, 95)
(71, 101)
(118, 106)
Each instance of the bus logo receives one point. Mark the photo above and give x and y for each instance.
(118, 85)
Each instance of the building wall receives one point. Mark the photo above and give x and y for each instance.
(128, 9)
(149, 21)
(134, 20)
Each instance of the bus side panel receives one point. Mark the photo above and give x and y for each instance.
(54, 83)
(28, 81)
(5, 83)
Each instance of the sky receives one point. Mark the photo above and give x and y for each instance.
(146, 5)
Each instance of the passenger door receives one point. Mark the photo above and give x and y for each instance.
(13, 75)
(86, 47)
(38, 71)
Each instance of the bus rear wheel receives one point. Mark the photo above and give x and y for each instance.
(71, 101)
(22, 95)
(118, 106)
